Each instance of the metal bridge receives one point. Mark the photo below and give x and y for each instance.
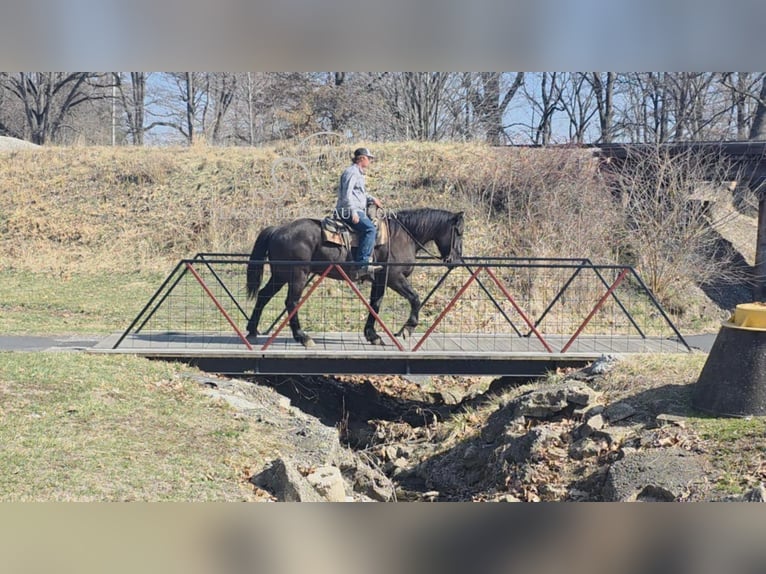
(484, 316)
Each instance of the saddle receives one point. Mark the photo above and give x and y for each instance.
(335, 231)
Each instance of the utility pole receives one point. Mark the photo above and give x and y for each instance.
(114, 113)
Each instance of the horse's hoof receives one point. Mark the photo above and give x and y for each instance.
(308, 342)
(405, 333)
(377, 341)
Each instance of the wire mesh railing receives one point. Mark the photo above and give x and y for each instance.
(480, 305)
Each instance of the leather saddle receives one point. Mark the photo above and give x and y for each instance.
(335, 231)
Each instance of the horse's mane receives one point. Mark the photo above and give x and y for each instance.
(422, 221)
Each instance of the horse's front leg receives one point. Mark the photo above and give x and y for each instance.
(404, 289)
(376, 297)
(294, 290)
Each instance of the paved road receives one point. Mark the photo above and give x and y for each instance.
(80, 342)
(701, 342)
(54, 343)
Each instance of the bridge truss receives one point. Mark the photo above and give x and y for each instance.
(494, 316)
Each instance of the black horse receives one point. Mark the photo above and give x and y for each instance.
(301, 242)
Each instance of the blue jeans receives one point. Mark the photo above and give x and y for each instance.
(366, 231)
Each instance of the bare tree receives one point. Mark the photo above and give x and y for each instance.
(671, 235)
(179, 101)
(489, 101)
(417, 102)
(219, 90)
(132, 98)
(49, 98)
(579, 104)
(333, 101)
(741, 87)
(603, 91)
(12, 120)
(748, 92)
(758, 132)
(544, 104)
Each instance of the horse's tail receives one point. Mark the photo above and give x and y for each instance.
(255, 265)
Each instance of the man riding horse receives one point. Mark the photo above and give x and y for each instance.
(299, 248)
(351, 208)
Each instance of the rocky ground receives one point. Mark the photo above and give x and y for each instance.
(577, 436)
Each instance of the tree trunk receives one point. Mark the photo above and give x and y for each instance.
(138, 85)
(190, 107)
(758, 132)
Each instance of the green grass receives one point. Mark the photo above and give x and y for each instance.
(76, 427)
(97, 303)
(737, 449)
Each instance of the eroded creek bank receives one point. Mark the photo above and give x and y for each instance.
(465, 439)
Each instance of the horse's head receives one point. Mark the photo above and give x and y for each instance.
(450, 241)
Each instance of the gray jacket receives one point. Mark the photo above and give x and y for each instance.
(352, 196)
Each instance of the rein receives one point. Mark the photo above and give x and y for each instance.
(395, 217)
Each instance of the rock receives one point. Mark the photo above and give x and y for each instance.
(602, 365)
(588, 411)
(617, 436)
(586, 447)
(541, 404)
(507, 498)
(328, 482)
(552, 492)
(390, 452)
(757, 494)
(530, 446)
(373, 484)
(550, 400)
(400, 463)
(499, 421)
(665, 420)
(286, 483)
(657, 475)
(593, 424)
(474, 456)
(581, 395)
(619, 411)
(239, 403)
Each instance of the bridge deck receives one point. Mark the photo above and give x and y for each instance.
(348, 353)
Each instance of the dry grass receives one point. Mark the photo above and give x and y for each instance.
(95, 209)
(105, 212)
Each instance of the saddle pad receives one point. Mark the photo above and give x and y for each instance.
(338, 233)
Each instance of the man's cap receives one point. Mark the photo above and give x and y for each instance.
(363, 151)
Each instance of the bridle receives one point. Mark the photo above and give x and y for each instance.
(453, 239)
(455, 234)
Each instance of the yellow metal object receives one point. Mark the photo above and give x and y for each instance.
(750, 316)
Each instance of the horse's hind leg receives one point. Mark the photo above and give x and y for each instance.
(376, 297)
(294, 290)
(268, 291)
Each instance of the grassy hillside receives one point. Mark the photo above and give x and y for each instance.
(110, 218)
(95, 209)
